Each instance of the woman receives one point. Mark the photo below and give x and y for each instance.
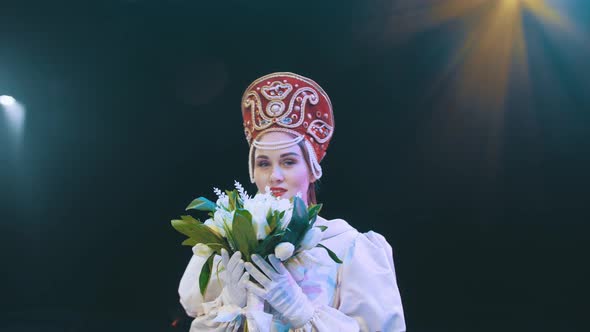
(288, 122)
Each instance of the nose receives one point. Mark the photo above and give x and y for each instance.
(276, 175)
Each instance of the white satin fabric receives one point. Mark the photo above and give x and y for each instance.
(359, 295)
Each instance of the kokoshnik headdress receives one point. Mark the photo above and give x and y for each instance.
(290, 103)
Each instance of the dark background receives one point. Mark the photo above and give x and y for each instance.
(133, 111)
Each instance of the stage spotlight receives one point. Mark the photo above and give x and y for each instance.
(7, 100)
(14, 116)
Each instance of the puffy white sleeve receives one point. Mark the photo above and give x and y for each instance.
(206, 308)
(368, 297)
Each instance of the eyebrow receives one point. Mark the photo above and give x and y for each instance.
(282, 156)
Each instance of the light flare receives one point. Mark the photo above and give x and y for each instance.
(493, 41)
(490, 60)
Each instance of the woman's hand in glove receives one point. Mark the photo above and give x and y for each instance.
(280, 290)
(234, 279)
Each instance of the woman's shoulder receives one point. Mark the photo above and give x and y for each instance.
(335, 227)
(341, 232)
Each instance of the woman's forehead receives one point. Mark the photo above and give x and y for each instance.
(294, 149)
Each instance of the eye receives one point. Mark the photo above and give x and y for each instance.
(262, 163)
(289, 162)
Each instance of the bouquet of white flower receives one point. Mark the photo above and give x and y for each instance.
(262, 225)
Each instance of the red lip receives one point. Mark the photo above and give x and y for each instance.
(278, 191)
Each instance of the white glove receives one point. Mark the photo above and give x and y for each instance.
(280, 290)
(234, 279)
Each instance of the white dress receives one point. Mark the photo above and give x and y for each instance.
(359, 295)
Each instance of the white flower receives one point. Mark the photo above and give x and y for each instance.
(283, 205)
(284, 250)
(311, 238)
(222, 217)
(218, 192)
(223, 202)
(286, 219)
(202, 250)
(215, 226)
(243, 193)
(258, 207)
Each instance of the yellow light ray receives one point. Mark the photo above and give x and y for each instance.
(449, 10)
(494, 44)
(491, 53)
(545, 12)
(487, 53)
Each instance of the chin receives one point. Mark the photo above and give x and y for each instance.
(285, 196)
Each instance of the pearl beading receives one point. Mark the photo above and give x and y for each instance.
(316, 169)
(275, 109)
(277, 145)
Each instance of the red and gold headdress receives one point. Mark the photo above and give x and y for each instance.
(290, 103)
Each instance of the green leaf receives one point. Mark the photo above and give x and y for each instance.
(230, 237)
(313, 211)
(273, 217)
(269, 218)
(217, 271)
(216, 247)
(323, 228)
(233, 197)
(190, 242)
(197, 231)
(239, 202)
(299, 223)
(267, 246)
(244, 233)
(202, 204)
(191, 220)
(280, 218)
(331, 254)
(206, 274)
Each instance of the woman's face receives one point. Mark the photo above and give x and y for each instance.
(285, 171)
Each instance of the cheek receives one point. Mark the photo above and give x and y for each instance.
(259, 180)
(300, 177)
